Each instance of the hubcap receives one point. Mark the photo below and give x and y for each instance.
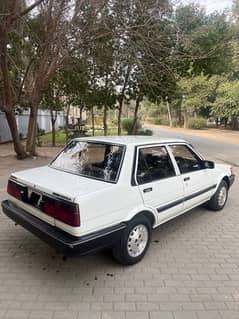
(137, 241)
(222, 196)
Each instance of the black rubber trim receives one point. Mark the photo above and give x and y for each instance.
(170, 205)
(200, 192)
(59, 239)
(232, 179)
(184, 199)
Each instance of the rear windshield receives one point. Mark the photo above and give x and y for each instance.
(95, 160)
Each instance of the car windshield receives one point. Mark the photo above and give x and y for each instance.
(95, 160)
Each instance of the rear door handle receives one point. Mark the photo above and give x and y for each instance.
(186, 179)
(147, 190)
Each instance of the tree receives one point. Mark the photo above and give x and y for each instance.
(42, 43)
(49, 49)
(227, 102)
(197, 93)
(53, 100)
(13, 74)
(202, 42)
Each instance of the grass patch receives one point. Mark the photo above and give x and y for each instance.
(46, 139)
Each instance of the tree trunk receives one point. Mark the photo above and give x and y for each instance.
(120, 115)
(81, 111)
(121, 98)
(137, 104)
(67, 122)
(169, 114)
(53, 133)
(12, 123)
(93, 121)
(105, 121)
(185, 118)
(32, 131)
(53, 127)
(7, 97)
(235, 123)
(179, 115)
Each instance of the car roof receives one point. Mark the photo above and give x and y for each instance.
(131, 140)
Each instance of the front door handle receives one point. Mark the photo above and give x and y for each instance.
(186, 179)
(147, 190)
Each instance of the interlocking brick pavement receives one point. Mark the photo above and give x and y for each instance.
(190, 271)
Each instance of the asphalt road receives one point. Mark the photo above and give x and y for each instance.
(209, 148)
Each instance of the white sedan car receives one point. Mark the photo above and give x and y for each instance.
(112, 191)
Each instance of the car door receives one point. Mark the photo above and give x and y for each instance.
(197, 180)
(160, 187)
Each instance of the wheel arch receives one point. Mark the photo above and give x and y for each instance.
(148, 214)
(226, 179)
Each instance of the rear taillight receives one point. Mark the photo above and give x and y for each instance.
(16, 190)
(62, 210)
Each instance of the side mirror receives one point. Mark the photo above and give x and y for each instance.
(208, 164)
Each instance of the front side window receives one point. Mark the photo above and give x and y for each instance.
(153, 164)
(95, 160)
(186, 159)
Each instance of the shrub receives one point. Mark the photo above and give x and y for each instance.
(127, 125)
(114, 122)
(40, 131)
(157, 121)
(161, 121)
(165, 122)
(145, 132)
(197, 123)
(175, 123)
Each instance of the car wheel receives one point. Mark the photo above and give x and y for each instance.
(134, 241)
(219, 199)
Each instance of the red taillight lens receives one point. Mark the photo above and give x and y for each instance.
(48, 206)
(16, 190)
(64, 211)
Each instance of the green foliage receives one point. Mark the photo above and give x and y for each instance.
(174, 123)
(161, 121)
(157, 121)
(127, 125)
(146, 132)
(197, 123)
(227, 100)
(200, 36)
(197, 92)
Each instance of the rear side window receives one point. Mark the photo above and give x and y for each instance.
(154, 164)
(186, 159)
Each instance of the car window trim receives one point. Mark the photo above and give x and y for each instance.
(134, 181)
(198, 155)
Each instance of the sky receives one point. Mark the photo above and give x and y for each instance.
(213, 5)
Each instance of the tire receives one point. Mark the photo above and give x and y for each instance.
(219, 199)
(134, 241)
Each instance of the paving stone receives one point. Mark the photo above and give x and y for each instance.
(161, 315)
(192, 272)
(185, 315)
(41, 314)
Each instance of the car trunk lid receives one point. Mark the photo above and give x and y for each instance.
(59, 183)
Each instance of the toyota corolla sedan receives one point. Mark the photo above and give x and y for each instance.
(113, 191)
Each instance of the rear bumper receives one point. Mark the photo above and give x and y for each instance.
(59, 239)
